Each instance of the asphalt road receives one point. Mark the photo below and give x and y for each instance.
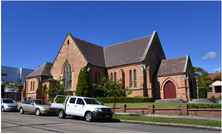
(13, 122)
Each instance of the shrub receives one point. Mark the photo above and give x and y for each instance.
(58, 100)
(202, 92)
(213, 97)
(204, 105)
(83, 83)
(219, 97)
(125, 99)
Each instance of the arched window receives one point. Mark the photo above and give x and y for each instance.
(67, 75)
(135, 82)
(31, 86)
(131, 84)
(99, 77)
(115, 76)
(111, 77)
(96, 77)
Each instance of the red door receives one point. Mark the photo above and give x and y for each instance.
(169, 90)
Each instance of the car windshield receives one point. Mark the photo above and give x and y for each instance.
(8, 101)
(92, 101)
(41, 102)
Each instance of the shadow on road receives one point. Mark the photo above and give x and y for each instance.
(101, 121)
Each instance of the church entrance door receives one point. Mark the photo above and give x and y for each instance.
(169, 90)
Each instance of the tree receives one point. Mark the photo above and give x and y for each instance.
(198, 71)
(83, 83)
(218, 77)
(56, 87)
(43, 90)
(13, 86)
(203, 80)
(113, 89)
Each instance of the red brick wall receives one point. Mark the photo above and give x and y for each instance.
(92, 73)
(72, 54)
(205, 112)
(30, 92)
(171, 111)
(138, 90)
(178, 82)
(168, 111)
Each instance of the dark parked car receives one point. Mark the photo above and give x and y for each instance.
(8, 104)
(35, 106)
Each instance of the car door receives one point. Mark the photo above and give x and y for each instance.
(70, 107)
(80, 107)
(26, 105)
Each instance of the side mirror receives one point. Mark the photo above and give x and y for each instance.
(32, 104)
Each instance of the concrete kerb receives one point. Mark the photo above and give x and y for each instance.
(169, 124)
(172, 124)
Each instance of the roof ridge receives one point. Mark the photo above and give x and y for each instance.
(44, 66)
(174, 58)
(128, 41)
(104, 56)
(86, 41)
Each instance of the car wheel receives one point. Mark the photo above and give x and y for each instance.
(37, 112)
(2, 109)
(61, 114)
(21, 111)
(89, 116)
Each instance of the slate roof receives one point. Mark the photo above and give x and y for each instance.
(173, 66)
(119, 54)
(43, 70)
(127, 52)
(93, 53)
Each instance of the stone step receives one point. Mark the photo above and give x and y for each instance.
(201, 100)
(169, 101)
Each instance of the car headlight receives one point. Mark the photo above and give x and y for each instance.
(7, 106)
(98, 109)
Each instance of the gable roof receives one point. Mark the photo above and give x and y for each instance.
(92, 53)
(43, 70)
(173, 66)
(127, 52)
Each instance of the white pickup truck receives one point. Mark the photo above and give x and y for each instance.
(86, 107)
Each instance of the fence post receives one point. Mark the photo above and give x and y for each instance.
(123, 108)
(151, 109)
(184, 110)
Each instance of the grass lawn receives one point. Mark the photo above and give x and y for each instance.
(157, 105)
(202, 122)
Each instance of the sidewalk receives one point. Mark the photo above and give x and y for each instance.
(172, 124)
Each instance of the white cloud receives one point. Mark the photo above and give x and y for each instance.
(217, 69)
(211, 55)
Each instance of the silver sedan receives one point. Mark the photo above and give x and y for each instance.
(35, 106)
(8, 104)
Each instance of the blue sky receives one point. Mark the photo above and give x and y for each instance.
(33, 32)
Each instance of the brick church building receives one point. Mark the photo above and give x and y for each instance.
(141, 62)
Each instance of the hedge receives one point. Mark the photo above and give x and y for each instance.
(58, 100)
(125, 99)
(202, 92)
(112, 99)
(204, 105)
